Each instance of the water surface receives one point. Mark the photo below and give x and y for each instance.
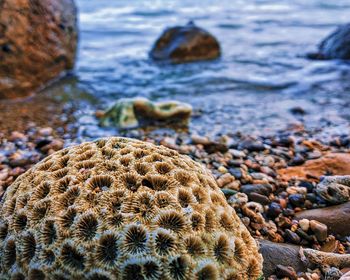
(261, 76)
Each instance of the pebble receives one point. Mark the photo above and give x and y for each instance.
(236, 172)
(304, 235)
(262, 199)
(304, 224)
(252, 146)
(46, 131)
(297, 160)
(54, 145)
(267, 170)
(222, 169)
(264, 189)
(286, 271)
(319, 229)
(15, 136)
(274, 210)
(291, 236)
(235, 162)
(225, 179)
(297, 199)
(305, 184)
(237, 153)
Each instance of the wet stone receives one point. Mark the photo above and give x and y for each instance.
(291, 237)
(297, 200)
(297, 160)
(309, 186)
(319, 229)
(262, 199)
(264, 189)
(274, 210)
(236, 172)
(286, 271)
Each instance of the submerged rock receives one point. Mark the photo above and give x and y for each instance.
(133, 112)
(185, 43)
(336, 45)
(38, 42)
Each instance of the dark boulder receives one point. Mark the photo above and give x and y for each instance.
(38, 40)
(275, 254)
(184, 44)
(335, 46)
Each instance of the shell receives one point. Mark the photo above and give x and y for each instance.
(119, 208)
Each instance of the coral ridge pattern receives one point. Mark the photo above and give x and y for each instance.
(119, 208)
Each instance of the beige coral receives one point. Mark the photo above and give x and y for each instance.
(119, 208)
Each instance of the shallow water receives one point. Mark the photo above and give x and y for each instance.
(262, 73)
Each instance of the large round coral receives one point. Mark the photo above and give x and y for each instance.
(121, 209)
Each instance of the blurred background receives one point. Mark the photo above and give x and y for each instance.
(262, 83)
(257, 85)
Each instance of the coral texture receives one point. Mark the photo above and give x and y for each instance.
(122, 209)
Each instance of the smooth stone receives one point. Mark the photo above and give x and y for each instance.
(237, 153)
(262, 199)
(184, 44)
(236, 172)
(297, 200)
(252, 146)
(286, 271)
(291, 236)
(274, 210)
(304, 235)
(304, 224)
(336, 218)
(297, 160)
(280, 254)
(305, 184)
(311, 197)
(319, 229)
(264, 189)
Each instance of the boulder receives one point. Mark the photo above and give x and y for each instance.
(275, 254)
(312, 170)
(335, 217)
(334, 189)
(335, 46)
(184, 44)
(38, 40)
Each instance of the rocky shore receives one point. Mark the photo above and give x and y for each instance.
(270, 181)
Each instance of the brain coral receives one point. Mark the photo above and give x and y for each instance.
(121, 209)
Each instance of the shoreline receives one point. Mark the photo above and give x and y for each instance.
(256, 175)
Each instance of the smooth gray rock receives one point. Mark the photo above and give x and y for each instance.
(280, 254)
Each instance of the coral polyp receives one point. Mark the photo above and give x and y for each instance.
(117, 209)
